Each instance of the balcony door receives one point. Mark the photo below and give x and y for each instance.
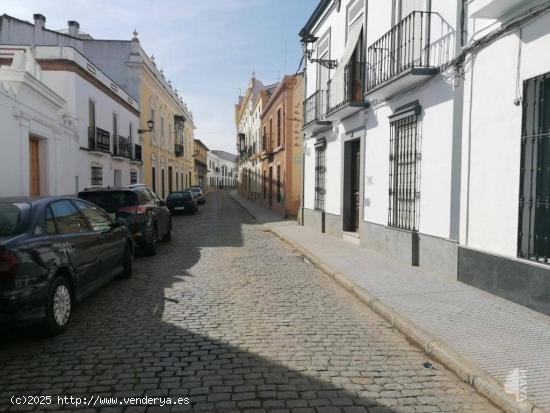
(406, 7)
(412, 33)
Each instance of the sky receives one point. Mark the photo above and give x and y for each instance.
(207, 48)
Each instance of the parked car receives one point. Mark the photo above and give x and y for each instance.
(55, 251)
(148, 218)
(181, 202)
(198, 194)
(198, 186)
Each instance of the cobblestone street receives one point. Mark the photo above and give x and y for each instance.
(229, 316)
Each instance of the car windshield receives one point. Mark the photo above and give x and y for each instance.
(11, 219)
(194, 189)
(110, 201)
(180, 195)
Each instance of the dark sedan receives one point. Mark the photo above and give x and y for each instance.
(54, 252)
(181, 202)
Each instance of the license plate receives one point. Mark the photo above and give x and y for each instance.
(179, 208)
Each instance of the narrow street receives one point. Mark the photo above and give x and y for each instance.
(229, 316)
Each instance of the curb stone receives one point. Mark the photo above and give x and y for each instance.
(484, 384)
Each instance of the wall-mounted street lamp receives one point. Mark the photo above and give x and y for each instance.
(150, 125)
(308, 42)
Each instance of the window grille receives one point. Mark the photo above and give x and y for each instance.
(534, 191)
(97, 175)
(320, 170)
(133, 177)
(404, 174)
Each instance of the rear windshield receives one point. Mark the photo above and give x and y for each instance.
(195, 189)
(180, 195)
(11, 219)
(110, 201)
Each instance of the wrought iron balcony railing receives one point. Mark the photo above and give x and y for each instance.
(178, 149)
(137, 153)
(99, 140)
(406, 46)
(122, 147)
(347, 89)
(315, 108)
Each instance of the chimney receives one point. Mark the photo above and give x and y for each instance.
(39, 21)
(73, 28)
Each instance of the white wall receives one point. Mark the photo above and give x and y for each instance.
(490, 201)
(435, 128)
(78, 91)
(29, 108)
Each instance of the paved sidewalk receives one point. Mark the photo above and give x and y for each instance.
(491, 333)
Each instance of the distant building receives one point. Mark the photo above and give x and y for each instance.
(200, 154)
(222, 169)
(282, 147)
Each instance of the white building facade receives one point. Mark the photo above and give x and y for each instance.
(107, 118)
(222, 169)
(103, 117)
(39, 139)
(422, 136)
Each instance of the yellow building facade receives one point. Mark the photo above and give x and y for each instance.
(168, 147)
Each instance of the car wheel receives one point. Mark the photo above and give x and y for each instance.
(152, 245)
(127, 262)
(59, 306)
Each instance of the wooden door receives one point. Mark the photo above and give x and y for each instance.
(34, 161)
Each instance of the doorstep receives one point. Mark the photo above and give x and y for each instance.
(352, 237)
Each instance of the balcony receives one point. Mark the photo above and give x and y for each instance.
(346, 92)
(99, 140)
(497, 9)
(138, 157)
(407, 55)
(178, 150)
(122, 148)
(315, 109)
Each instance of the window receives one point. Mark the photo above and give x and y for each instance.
(98, 219)
(91, 114)
(131, 132)
(162, 182)
(404, 167)
(279, 127)
(534, 191)
(97, 175)
(154, 178)
(177, 181)
(320, 170)
(278, 183)
(270, 132)
(49, 223)
(115, 127)
(67, 219)
(133, 177)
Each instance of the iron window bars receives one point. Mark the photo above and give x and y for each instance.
(320, 171)
(404, 193)
(534, 191)
(97, 175)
